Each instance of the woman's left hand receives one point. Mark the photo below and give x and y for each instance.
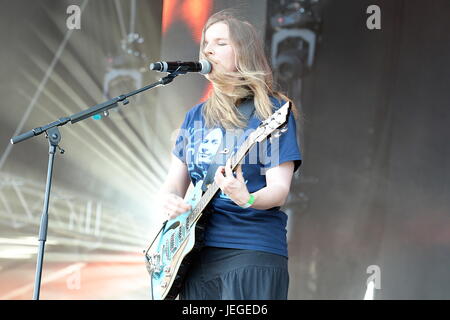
(233, 187)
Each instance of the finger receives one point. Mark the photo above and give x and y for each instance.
(175, 212)
(228, 172)
(239, 174)
(178, 201)
(175, 208)
(180, 208)
(186, 206)
(218, 177)
(173, 215)
(220, 170)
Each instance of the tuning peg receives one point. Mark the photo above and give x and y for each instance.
(284, 128)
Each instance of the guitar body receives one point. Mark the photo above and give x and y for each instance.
(180, 239)
(176, 245)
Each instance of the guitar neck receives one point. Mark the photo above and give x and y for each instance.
(233, 161)
(266, 128)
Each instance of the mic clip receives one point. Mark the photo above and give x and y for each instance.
(169, 78)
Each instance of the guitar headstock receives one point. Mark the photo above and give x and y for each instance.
(271, 125)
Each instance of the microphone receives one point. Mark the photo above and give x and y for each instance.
(202, 66)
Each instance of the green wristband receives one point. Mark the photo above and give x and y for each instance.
(249, 202)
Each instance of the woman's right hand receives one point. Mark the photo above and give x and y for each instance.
(173, 205)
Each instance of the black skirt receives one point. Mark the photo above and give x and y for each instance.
(236, 274)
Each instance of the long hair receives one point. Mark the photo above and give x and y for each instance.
(252, 78)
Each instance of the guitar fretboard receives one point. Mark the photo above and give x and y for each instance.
(233, 161)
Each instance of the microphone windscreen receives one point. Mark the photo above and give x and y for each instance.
(206, 66)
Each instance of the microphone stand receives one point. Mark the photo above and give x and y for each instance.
(54, 138)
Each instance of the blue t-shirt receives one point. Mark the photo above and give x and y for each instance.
(230, 226)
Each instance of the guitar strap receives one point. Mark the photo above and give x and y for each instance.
(229, 141)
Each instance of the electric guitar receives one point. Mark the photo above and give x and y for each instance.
(170, 253)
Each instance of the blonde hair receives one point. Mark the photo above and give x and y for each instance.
(253, 76)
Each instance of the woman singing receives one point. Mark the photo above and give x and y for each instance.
(245, 254)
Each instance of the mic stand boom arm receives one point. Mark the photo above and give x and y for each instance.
(99, 108)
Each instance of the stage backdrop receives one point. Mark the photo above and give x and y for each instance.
(368, 210)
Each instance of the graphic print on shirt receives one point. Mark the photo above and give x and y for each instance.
(202, 149)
